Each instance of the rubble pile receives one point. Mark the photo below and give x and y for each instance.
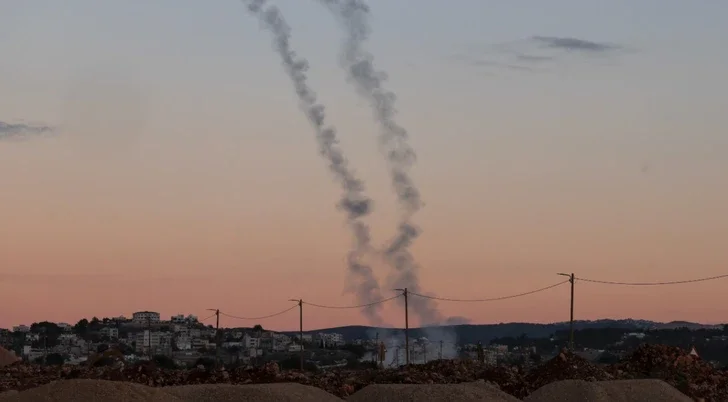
(687, 373)
(565, 366)
(677, 367)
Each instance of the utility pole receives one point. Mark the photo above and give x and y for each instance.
(45, 346)
(572, 279)
(376, 347)
(424, 352)
(217, 334)
(406, 327)
(300, 327)
(149, 333)
(440, 350)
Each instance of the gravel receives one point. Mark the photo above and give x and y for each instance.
(612, 391)
(430, 393)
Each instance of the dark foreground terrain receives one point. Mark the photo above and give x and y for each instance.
(690, 375)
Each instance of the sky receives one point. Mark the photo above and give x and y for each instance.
(153, 157)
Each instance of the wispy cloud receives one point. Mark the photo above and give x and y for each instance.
(536, 53)
(574, 44)
(18, 131)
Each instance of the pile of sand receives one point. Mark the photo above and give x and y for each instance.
(612, 391)
(431, 393)
(7, 357)
(116, 391)
(90, 390)
(284, 392)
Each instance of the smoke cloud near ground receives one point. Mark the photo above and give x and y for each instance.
(19, 131)
(369, 83)
(362, 281)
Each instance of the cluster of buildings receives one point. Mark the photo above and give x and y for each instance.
(184, 338)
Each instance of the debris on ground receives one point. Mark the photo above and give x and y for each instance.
(692, 376)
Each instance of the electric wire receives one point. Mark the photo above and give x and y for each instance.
(489, 299)
(207, 318)
(350, 307)
(652, 283)
(262, 317)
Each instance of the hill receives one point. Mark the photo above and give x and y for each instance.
(469, 333)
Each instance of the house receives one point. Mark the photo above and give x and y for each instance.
(147, 341)
(145, 317)
(251, 342)
(111, 332)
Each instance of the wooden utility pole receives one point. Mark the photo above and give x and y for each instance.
(45, 346)
(300, 327)
(217, 336)
(440, 350)
(375, 356)
(149, 333)
(572, 279)
(406, 328)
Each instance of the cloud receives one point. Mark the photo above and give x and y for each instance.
(574, 44)
(536, 53)
(22, 130)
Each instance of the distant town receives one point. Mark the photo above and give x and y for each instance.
(184, 341)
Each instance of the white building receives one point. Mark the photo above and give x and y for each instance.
(328, 340)
(179, 319)
(145, 317)
(251, 342)
(146, 340)
(111, 332)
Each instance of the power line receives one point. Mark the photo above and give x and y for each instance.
(349, 307)
(260, 318)
(207, 318)
(653, 283)
(489, 299)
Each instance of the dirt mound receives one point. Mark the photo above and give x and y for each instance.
(677, 367)
(7, 357)
(608, 391)
(566, 366)
(430, 393)
(284, 392)
(91, 390)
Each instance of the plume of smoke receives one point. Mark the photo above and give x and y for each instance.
(18, 131)
(359, 65)
(363, 283)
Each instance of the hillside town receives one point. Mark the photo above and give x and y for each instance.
(185, 341)
(183, 338)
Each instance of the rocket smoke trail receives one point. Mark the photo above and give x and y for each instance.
(363, 283)
(352, 14)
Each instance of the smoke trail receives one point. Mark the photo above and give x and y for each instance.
(393, 141)
(363, 283)
(19, 131)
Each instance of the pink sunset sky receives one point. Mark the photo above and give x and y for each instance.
(182, 175)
